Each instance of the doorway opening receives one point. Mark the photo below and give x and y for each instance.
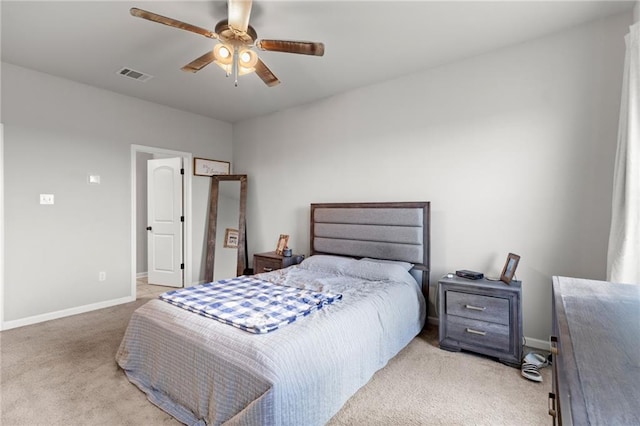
(139, 156)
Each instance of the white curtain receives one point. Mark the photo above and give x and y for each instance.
(623, 261)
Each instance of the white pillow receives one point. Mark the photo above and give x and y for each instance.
(327, 263)
(378, 271)
(406, 265)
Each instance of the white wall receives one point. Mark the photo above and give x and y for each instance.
(56, 132)
(514, 149)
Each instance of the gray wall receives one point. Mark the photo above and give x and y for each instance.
(514, 149)
(56, 133)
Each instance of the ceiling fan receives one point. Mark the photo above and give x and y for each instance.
(235, 52)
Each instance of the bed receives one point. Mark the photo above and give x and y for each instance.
(201, 371)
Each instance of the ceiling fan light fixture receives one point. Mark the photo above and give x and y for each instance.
(245, 70)
(248, 58)
(223, 54)
(224, 57)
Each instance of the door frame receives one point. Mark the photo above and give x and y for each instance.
(1, 226)
(187, 161)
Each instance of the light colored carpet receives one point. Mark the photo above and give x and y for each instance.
(424, 385)
(63, 372)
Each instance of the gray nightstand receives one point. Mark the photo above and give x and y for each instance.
(481, 316)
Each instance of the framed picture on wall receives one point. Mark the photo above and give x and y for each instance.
(282, 244)
(231, 238)
(509, 270)
(205, 167)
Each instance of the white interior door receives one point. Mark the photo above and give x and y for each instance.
(164, 222)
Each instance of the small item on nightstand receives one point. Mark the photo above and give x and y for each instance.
(470, 275)
(282, 244)
(287, 252)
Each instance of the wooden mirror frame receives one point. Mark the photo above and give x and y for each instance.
(213, 221)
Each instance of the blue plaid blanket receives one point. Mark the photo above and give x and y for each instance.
(248, 303)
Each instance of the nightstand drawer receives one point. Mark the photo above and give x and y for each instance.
(266, 265)
(481, 333)
(478, 307)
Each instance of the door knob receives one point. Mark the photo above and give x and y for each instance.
(148, 228)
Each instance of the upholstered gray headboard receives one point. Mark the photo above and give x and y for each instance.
(395, 231)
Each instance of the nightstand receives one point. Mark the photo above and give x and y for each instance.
(270, 261)
(481, 316)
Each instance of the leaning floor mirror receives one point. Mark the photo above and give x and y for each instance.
(226, 227)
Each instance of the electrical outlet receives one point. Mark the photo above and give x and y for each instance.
(46, 198)
(102, 276)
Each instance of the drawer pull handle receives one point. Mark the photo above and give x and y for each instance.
(475, 308)
(553, 344)
(267, 269)
(472, 331)
(552, 404)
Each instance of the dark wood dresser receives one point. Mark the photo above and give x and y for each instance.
(270, 261)
(481, 316)
(595, 348)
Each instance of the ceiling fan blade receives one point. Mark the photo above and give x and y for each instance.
(265, 74)
(150, 16)
(197, 64)
(289, 46)
(239, 12)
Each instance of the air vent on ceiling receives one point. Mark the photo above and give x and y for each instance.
(136, 75)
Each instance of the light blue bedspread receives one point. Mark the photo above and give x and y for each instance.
(204, 372)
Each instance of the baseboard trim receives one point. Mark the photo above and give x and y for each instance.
(7, 325)
(537, 343)
(142, 274)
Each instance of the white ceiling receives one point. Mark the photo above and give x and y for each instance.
(366, 42)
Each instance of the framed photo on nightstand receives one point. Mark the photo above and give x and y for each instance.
(509, 270)
(282, 244)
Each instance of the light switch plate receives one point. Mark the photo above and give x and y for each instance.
(94, 178)
(46, 198)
